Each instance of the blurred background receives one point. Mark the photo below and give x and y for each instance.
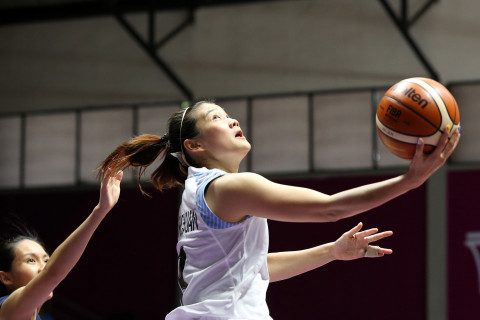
(303, 77)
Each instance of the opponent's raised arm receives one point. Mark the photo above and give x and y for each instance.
(23, 302)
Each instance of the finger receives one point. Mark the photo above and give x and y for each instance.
(375, 251)
(442, 142)
(106, 176)
(378, 236)
(119, 176)
(371, 252)
(366, 233)
(351, 233)
(382, 252)
(452, 144)
(418, 150)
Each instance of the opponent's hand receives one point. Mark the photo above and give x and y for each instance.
(109, 190)
(355, 244)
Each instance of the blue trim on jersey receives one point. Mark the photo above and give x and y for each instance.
(203, 179)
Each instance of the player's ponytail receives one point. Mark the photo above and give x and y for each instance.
(143, 150)
(140, 151)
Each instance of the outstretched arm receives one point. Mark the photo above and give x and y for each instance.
(23, 302)
(232, 197)
(353, 244)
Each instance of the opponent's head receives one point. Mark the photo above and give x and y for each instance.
(21, 259)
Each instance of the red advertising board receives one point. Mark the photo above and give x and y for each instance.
(463, 245)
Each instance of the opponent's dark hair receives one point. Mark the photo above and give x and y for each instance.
(12, 231)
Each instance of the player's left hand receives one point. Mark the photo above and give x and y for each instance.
(355, 244)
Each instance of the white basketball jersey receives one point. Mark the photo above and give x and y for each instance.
(222, 266)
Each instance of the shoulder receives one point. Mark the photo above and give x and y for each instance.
(240, 183)
(239, 188)
(249, 185)
(238, 179)
(232, 196)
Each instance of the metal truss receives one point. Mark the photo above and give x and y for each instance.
(119, 8)
(403, 22)
(151, 46)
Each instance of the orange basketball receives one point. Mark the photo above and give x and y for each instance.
(415, 108)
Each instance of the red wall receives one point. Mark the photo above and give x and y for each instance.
(392, 287)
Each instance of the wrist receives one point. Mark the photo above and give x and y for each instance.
(328, 250)
(100, 210)
(412, 181)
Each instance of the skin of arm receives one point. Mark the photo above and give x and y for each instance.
(24, 301)
(351, 245)
(232, 197)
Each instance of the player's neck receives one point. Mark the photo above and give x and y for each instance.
(227, 166)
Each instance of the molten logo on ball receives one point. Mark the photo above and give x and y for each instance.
(416, 97)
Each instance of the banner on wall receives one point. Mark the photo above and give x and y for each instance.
(472, 241)
(463, 245)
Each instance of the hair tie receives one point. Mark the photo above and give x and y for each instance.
(164, 138)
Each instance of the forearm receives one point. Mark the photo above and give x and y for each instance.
(69, 252)
(354, 201)
(284, 265)
(421, 168)
(62, 261)
(25, 300)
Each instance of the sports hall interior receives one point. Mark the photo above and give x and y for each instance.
(303, 78)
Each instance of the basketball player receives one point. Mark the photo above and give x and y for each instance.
(28, 275)
(224, 264)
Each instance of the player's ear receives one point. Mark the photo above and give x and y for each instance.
(192, 145)
(5, 278)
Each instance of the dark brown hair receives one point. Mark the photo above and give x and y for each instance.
(12, 230)
(141, 151)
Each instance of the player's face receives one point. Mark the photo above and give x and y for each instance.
(220, 135)
(30, 259)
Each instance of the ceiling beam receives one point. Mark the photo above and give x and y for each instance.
(19, 14)
(403, 25)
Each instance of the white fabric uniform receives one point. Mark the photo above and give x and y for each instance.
(222, 266)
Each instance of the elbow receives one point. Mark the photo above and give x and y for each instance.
(333, 210)
(332, 217)
(333, 213)
(327, 210)
(326, 216)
